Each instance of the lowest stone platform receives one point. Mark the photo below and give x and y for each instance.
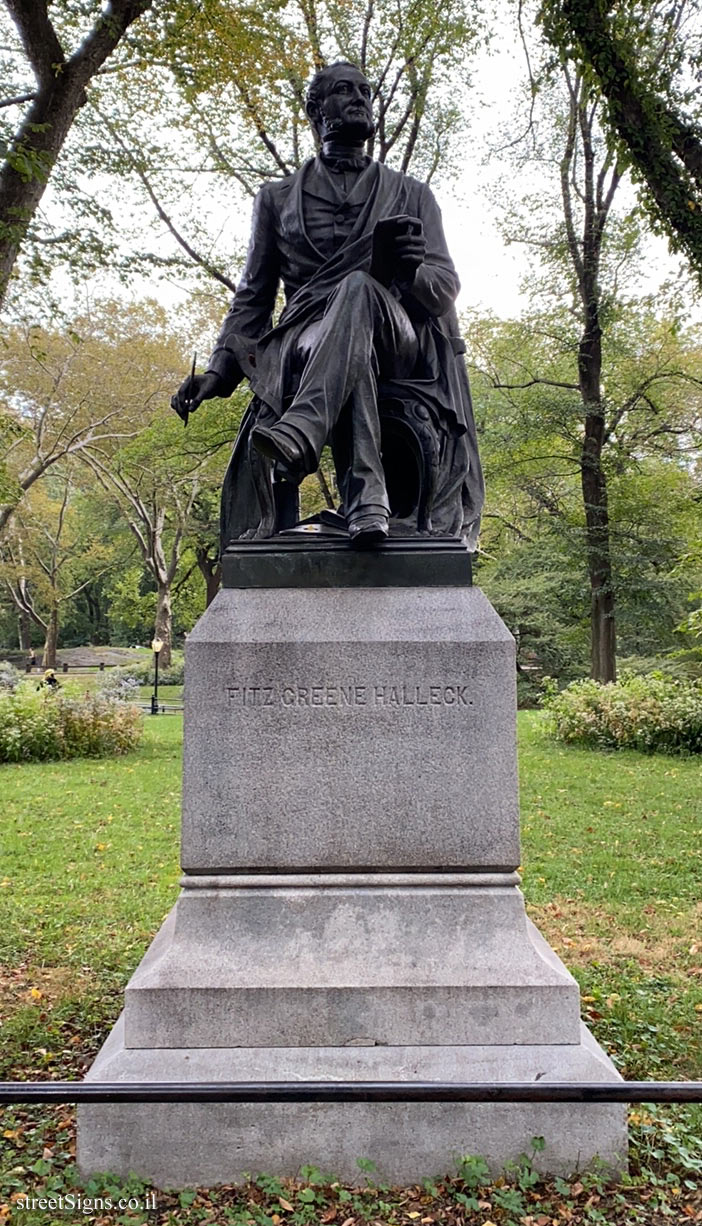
(350, 905)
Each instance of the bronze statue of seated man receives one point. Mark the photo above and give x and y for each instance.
(369, 292)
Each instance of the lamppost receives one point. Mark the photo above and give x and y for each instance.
(156, 645)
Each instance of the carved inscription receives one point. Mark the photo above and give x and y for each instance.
(406, 694)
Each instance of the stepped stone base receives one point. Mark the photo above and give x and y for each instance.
(206, 1144)
(371, 978)
(350, 908)
(315, 965)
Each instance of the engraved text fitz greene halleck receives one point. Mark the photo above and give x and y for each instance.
(351, 695)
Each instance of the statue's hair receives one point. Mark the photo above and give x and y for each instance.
(315, 89)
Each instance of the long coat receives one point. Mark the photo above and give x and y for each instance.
(280, 250)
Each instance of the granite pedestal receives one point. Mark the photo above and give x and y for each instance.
(350, 905)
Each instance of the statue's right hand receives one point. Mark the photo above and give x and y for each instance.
(194, 390)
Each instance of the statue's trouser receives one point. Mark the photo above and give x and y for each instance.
(364, 334)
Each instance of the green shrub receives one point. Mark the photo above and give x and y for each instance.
(655, 713)
(121, 684)
(530, 691)
(9, 676)
(174, 674)
(40, 724)
(142, 671)
(685, 664)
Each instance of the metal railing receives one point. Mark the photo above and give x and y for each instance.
(25, 1092)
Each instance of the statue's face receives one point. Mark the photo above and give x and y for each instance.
(346, 112)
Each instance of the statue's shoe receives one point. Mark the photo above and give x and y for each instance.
(367, 531)
(284, 451)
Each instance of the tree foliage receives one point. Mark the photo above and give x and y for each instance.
(534, 543)
(63, 50)
(48, 558)
(137, 467)
(590, 405)
(203, 100)
(585, 239)
(53, 404)
(644, 58)
(156, 480)
(571, 231)
(242, 71)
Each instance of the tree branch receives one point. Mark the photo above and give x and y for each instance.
(39, 39)
(194, 255)
(18, 100)
(570, 387)
(260, 130)
(565, 165)
(508, 524)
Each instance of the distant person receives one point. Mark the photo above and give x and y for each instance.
(49, 679)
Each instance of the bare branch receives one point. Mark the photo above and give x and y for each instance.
(508, 524)
(364, 35)
(565, 165)
(18, 100)
(571, 387)
(194, 255)
(260, 129)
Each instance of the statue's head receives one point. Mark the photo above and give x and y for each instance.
(339, 104)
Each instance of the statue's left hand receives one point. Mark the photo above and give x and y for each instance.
(409, 248)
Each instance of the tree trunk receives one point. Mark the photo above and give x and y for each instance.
(211, 570)
(603, 638)
(26, 171)
(24, 631)
(93, 615)
(164, 622)
(603, 665)
(212, 582)
(585, 255)
(94, 606)
(51, 641)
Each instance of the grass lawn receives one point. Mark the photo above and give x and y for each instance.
(612, 869)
